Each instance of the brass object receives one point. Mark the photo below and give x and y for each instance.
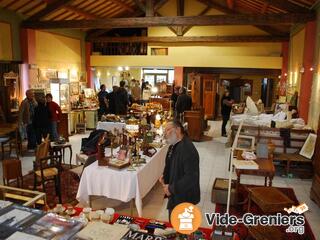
(102, 159)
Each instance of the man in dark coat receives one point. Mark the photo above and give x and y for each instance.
(184, 102)
(102, 97)
(112, 100)
(226, 107)
(122, 100)
(180, 179)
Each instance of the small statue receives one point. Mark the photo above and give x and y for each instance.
(102, 159)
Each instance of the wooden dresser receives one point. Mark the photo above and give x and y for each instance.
(315, 189)
(195, 124)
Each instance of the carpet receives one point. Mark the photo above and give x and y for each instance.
(68, 184)
(239, 210)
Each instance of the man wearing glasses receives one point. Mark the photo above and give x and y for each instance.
(180, 179)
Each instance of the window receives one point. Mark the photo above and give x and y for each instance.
(155, 76)
(159, 51)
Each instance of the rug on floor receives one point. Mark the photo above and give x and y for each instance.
(240, 210)
(69, 187)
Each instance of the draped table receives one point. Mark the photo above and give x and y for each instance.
(110, 126)
(122, 184)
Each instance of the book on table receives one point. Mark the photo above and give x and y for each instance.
(245, 164)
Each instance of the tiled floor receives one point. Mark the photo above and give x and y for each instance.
(213, 164)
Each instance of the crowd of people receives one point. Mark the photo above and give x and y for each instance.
(39, 118)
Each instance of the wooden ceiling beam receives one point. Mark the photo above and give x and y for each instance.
(286, 5)
(51, 7)
(80, 12)
(214, 20)
(198, 39)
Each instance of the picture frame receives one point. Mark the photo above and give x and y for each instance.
(308, 147)
(74, 88)
(245, 143)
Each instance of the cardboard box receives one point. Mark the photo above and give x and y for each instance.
(219, 192)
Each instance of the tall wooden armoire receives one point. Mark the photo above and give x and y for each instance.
(315, 188)
(203, 93)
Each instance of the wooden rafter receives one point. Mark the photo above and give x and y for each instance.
(140, 5)
(49, 8)
(203, 12)
(199, 39)
(214, 20)
(122, 4)
(286, 5)
(159, 4)
(80, 12)
(230, 4)
(264, 8)
(226, 10)
(23, 5)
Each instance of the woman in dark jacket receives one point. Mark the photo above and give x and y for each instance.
(41, 120)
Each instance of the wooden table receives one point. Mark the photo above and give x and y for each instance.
(265, 233)
(269, 199)
(266, 169)
(7, 128)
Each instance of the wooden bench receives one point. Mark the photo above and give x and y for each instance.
(281, 153)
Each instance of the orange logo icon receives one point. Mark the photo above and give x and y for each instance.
(186, 218)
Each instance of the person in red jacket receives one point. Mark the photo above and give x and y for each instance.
(55, 115)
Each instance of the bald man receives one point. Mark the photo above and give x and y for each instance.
(26, 114)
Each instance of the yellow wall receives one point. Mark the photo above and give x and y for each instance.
(109, 73)
(296, 61)
(5, 41)
(243, 55)
(57, 51)
(314, 107)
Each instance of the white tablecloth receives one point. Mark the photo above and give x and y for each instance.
(110, 126)
(122, 184)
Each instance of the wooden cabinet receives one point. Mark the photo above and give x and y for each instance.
(195, 124)
(63, 126)
(10, 114)
(315, 188)
(91, 119)
(203, 93)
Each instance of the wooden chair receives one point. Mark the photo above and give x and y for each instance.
(50, 170)
(42, 152)
(5, 141)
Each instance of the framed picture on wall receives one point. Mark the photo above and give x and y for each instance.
(82, 77)
(74, 88)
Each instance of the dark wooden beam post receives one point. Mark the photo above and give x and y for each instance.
(180, 12)
(149, 8)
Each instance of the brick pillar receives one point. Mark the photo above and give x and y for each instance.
(90, 81)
